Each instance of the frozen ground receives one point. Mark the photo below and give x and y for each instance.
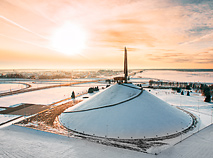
(43, 97)
(46, 96)
(24, 142)
(5, 118)
(15, 84)
(6, 87)
(178, 76)
(143, 81)
(1, 109)
(193, 103)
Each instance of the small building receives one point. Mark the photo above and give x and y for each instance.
(119, 79)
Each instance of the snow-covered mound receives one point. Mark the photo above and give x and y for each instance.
(143, 116)
(111, 95)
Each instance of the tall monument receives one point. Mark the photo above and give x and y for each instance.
(125, 65)
(121, 79)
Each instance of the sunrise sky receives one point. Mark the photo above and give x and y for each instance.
(93, 33)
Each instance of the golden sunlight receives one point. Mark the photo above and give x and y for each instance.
(69, 39)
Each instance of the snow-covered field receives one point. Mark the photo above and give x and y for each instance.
(15, 84)
(45, 97)
(6, 87)
(193, 103)
(5, 118)
(178, 76)
(1, 109)
(24, 142)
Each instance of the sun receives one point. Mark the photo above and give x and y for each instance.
(69, 39)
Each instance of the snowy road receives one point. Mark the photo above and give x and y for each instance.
(27, 89)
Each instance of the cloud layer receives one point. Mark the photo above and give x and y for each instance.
(158, 33)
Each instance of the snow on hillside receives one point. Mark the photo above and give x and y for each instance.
(144, 116)
(111, 95)
(193, 103)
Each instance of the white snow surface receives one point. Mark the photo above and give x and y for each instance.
(178, 76)
(193, 103)
(111, 95)
(2, 109)
(5, 118)
(6, 87)
(144, 116)
(25, 142)
(45, 96)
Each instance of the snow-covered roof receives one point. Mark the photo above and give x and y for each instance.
(122, 111)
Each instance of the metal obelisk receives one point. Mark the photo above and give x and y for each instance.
(125, 65)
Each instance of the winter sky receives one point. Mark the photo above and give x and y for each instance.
(93, 33)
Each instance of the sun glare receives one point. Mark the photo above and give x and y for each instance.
(69, 39)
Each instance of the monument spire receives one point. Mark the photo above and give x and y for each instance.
(125, 65)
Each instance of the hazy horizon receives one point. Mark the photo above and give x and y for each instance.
(110, 69)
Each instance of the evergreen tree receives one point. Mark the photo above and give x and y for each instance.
(178, 90)
(151, 82)
(73, 95)
(91, 90)
(188, 94)
(208, 97)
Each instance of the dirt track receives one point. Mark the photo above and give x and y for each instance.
(47, 120)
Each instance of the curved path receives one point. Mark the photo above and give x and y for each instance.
(110, 105)
(40, 88)
(133, 141)
(8, 92)
(139, 144)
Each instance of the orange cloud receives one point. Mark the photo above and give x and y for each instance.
(161, 33)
